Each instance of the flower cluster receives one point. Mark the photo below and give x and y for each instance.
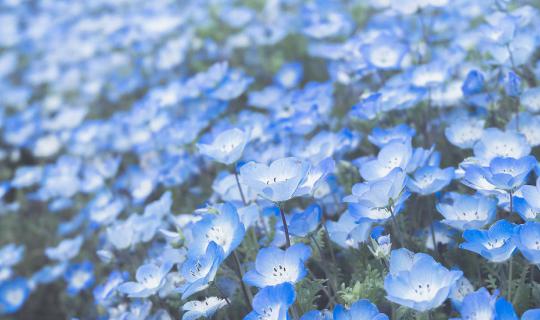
(281, 159)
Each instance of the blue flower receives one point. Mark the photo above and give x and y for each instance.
(531, 314)
(505, 174)
(317, 315)
(464, 133)
(303, 223)
(104, 292)
(512, 84)
(227, 146)
(347, 231)
(199, 271)
(467, 211)
(417, 281)
(289, 75)
(206, 308)
(11, 254)
(473, 84)
(224, 228)
(430, 179)
(275, 266)
(481, 305)
(79, 276)
(385, 52)
(66, 249)
(459, 291)
(376, 200)
(272, 303)
(150, 278)
(531, 194)
(400, 133)
(527, 239)
(393, 155)
(13, 294)
(360, 310)
(496, 143)
(495, 244)
(277, 182)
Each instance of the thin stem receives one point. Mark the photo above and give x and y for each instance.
(247, 294)
(333, 283)
(327, 236)
(239, 187)
(285, 227)
(396, 228)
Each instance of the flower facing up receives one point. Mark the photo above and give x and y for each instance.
(224, 228)
(79, 276)
(374, 200)
(150, 278)
(360, 310)
(417, 281)
(430, 179)
(206, 308)
(495, 244)
(527, 239)
(507, 174)
(463, 211)
(481, 305)
(275, 266)
(496, 143)
(199, 271)
(464, 133)
(278, 181)
(400, 133)
(13, 294)
(303, 223)
(272, 303)
(227, 147)
(393, 155)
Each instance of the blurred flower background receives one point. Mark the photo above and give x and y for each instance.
(270, 159)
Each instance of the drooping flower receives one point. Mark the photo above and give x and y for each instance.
(200, 270)
(305, 222)
(347, 231)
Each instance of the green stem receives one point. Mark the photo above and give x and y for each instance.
(285, 227)
(397, 230)
(333, 282)
(239, 187)
(510, 265)
(247, 294)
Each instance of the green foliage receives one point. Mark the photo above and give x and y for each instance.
(308, 292)
(369, 286)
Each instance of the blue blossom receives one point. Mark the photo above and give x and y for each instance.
(150, 278)
(103, 293)
(289, 75)
(272, 302)
(206, 308)
(430, 179)
(79, 276)
(417, 281)
(303, 223)
(11, 254)
(393, 155)
(505, 174)
(200, 270)
(317, 315)
(347, 231)
(385, 52)
(224, 228)
(13, 294)
(496, 143)
(402, 133)
(473, 84)
(467, 211)
(66, 250)
(495, 244)
(277, 182)
(275, 266)
(512, 84)
(531, 194)
(527, 240)
(480, 304)
(464, 133)
(531, 314)
(362, 310)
